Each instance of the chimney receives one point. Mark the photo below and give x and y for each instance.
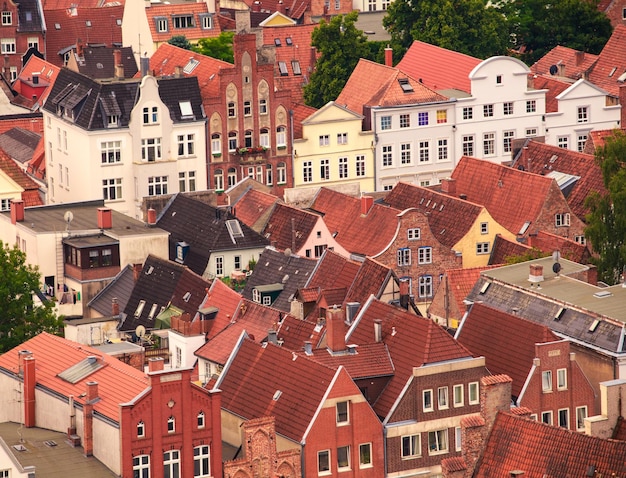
(256, 6)
(561, 68)
(308, 347)
(92, 389)
(448, 186)
(105, 218)
(178, 71)
(366, 204)
(580, 56)
(495, 396)
(622, 102)
(144, 65)
(151, 217)
(117, 57)
(79, 48)
(17, 211)
(30, 380)
(378, 330)
(536, 273)
(463, 196)
(335, 329)
(404, 293)
(92, 395)
(388, 56)
(156, 364)
(137, 271)
(115, 307)
(272, 337)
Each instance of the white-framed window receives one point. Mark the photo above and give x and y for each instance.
(581, 140)
(219, 266)
(546, 380)
(232, 141)
(5, 204)
(7, 18)
(186, 181)
(425, 286)
(561, 379)
(183, 21)
(324, 140)
(263, 106)
(562, 142)
(264, 138)
(343, 458)
(488, 111)
(281, 137)
(473, 393)
(342, 138)
(427, 400)
(581, 414)
(112, 189)
(458, 395)
(405, 120)
(157, 185)
(324, 169)
(404, 257)
(360, 165)
(411, 446)
(141, 466)
(307, 171)
(295, 67)
(269, 178)
(150, 115)
(458, 440)
(281, 173)
(425, 255)
(231, 109)
(531, 132)
(438, 441)
(150, 149)
(111, 152)
(531, 106)
(580, 239)
(7, 46)
(387, 155)
(12, 73)
(218, 176)
(171, 425)
(489, 144)
(564, 417)
(365, 455)
(442, 398)
(267, 300)
(422, 118)
(33, 42)
(546, 417)
(186, 144)
(484, 228)
(247, 138)
(343, 412)
(507, 140)
(385, 122)
(442, 149)
(201, 461)
(468, 113)
(231, 177)
(405, 153)
(482, 248)
(343, 168)
(468, 145)
(323, 462)
(216, 143)
(583, 114)
(562, 219)
(141, 429)
(442, 116)
(507, 108)
(207, 22)
(171, 464)
(256, 296)
(161, 24)
(424, 151)
(413, 234)
(247, 108)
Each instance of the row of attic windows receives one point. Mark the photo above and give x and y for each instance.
(163, 24)
(89, 24)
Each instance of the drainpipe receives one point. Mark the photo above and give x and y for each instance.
(291, 149)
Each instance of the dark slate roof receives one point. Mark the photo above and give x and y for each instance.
(19, 143)
(97, 62)
(162, 283)
(120, 288)
(205, 229)
(277, 267)
(29, 16)
(90, 99)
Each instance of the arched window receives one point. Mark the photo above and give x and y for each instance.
(141, 429)
(216, 143)
(171, 425)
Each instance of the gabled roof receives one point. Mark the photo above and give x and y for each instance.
(571, 250)
(367, 360)
(365, 234)
(371, 279)
(29, 16)
(162, 283)
(438, 68)
(98, 61)
(608, 71)
(293, 332)
(289, 227)
(462, 281)
(412, 341)
(449, 217)
(503, 249)
(205, 229)
(300, 113)
(120, 288)
(552, 161)
(565, 62)
(30, 194)
(597, 139)
(555, 87)
(506, 341)
(511, 196)
(226, 301)
(333, 271)
(269, 380)
(373, 84)
(117, 381)
(254, 207)
(91, 25)
(20, 144)
(166, 58)
(47, 73)
(538, 449)
(274, 267)
(170, 10)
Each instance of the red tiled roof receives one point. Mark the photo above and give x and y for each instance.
(462, 281)
(256, 375)
(597, 138)
(569, 249)
(334, 270)
(541, 158)
(506, 341)
(574, 62)
(503, 249)
(611, 62)
(412, 341)
(537, 449)
(369, 360)
(166, 58)
(37, 165)
(30, 193)
(309, 294)
(438, 68)
(47, 74)
(361, 234)
(286, 222)
(378, 85)
(294, 332)
(449, 217)
(32, 123)
(300, 113)
(67, 4)
(252, 206)
(117, 381)
(104, 28)
(511, 196)
(227, 302)
(555, 87)
(369, 280)
(193, 33)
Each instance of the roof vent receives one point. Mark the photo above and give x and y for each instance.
(594, 325)
(559, 314)
(277, 395)
(19, 447)
(602, 294)
(484, 288)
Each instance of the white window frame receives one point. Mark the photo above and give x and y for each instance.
(171, 460)
(171, 425)
(342, 415)
(343, 452)
(360, 165)
(403, 256)
(546, 381)
(489, 143)
(141, 466)
(562, 219)
(442, 149)
(157, 185)
(413, 234)
(482, 248)
(458, 395)
(365, 455)
(428, 393)
(327, 469)
(547, 417)
(531, 106)
(385, 122)
(563, 414)
(438, 442)
(151, 147)
(468, 113)
(219, 266)
(443, 400)
(410, 446)
(387, 155)
(561, 379)
(425, 255)
(112, 189)
(582, 114)
(473, 393)
(581, 414)
(7, 46)
(458, 438)
(307, 172)
(141, 429)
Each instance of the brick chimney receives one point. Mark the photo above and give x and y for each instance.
(366, 204)
(30, 380)
(156, 364)
(90, 399)
(448, 186)
(137, 271)
(151, 217)
(105, 216)
(404, 293)
(580, 56)
(115, 306)
(388, 56)
(335, 329)
(117, 64)
(17, 211)
(536, 273)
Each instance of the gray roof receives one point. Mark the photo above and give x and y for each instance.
(58, 461)
(19, 143)
(120, 288)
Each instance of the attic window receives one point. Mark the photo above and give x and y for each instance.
(612, 71)
(187, 296)
(88, 23)
(149, 271)
(185, 109)
(277, 42)
(282, 66)
(277, 395)
(484, 288)
(405, 85)
(295, 66)
(152, 311)
(288, 41)
(234, 228)
(139, 308)
(602, 294)
(189, 67)
(524, 228)
(559, 314)
(622, 77)
(81, 370)
(553, 158)
(57, 26)
(118, 22)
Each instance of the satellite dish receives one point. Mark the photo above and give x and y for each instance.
(68, 216)
(554, 70)
(140, 331)
(556, 268)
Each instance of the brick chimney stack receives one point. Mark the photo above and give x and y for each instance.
(536, 273)
(335, 329)
(17, 211)
(90, 398)
(156, 364)
(115, 306)
(448, 186)
(105, 218)
(404, 293)
(30, 380)
(366, 204)
(388, 56)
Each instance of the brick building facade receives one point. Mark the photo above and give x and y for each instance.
(20, 29)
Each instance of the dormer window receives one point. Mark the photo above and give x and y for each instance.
(206, 21)
(288, 41)
(282, 66)
(277, 42)
(113, 121)
(183, 21)
(185, 109)
(161, 24)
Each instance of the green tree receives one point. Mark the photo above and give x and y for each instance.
(340, 45)
(537, 26)
(20, 317)
(180, 41)
(606, 221)
(473, 27)
(220, 47)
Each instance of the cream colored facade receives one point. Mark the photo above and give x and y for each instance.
(333, 150)
(9, 190)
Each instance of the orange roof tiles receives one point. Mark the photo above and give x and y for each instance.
(288, 226)
(611, 64)
(555, 87)
(227, 302)
(368, 360)
(503, 249)
(574, 63)
(569, 249)
(300, 112)
(462, 281)
(47, 74)
(294, 332)
(597, 139)
(334, 270)
(252, 206)
(369, 280)
(438, 68)
(168, 11)
(30, 193)
(117, 381)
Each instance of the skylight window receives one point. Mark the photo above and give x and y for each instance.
(81, 370)
(185, 108)
(234, 228)
(405, 85)
(189, 67)
(288, 41)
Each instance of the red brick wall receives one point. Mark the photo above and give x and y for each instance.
(556, 204)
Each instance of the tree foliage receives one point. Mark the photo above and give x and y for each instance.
(180, 41)
(473, 27)
(220, 47)
(20, 317)
(537, 26)
(606, 221)
(340, 45)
